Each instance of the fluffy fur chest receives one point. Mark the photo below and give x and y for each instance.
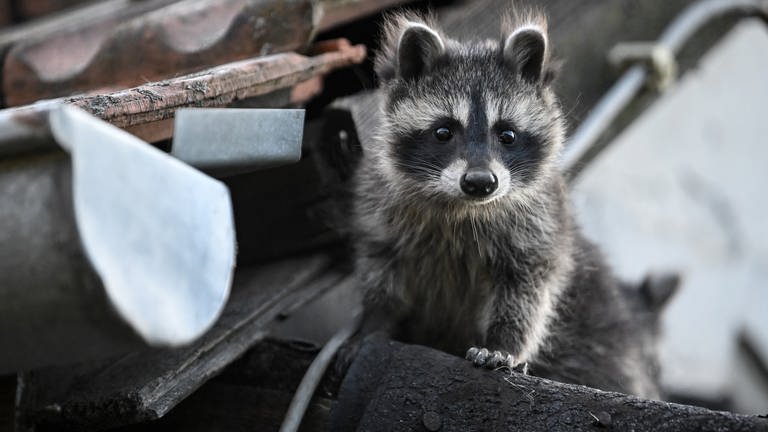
(447, 287)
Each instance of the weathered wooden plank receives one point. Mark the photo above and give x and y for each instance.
(252, 394)
(214, 87)
(396, 387)
(156, 102)
(294, 96)
(145, 386)
(125, 49)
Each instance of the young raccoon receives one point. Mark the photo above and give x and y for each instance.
(463, 227)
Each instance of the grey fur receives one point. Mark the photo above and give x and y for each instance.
(511, 272)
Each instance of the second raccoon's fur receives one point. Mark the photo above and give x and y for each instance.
(504, 268)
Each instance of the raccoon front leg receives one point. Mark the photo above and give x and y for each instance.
(518, 320)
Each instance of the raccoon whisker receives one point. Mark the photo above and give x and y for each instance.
(430, 169)
(516, 169)
(426, 163)
(474, 232)
(574, 106)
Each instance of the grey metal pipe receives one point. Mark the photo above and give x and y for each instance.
(604, 113)
(699, 14)
(629, 85)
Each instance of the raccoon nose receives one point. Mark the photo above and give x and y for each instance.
(479, 182)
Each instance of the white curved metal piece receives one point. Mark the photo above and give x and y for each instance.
(157, 232)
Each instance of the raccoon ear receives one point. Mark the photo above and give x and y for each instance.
(418, 48)
(526, 51)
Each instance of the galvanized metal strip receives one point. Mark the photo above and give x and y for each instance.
(229, 141)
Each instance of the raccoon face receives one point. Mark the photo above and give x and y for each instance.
(470, 122)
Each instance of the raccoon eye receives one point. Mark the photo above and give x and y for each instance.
(443, 134)
(507, 137)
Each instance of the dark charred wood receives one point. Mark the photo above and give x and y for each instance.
(251, 394)
(146, 385)
(396, 387)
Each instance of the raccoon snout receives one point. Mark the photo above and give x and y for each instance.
(478, 182)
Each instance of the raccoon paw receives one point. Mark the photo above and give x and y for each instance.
(482, 357)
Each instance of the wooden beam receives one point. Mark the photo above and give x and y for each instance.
(252, 394)
(145, 386)
(396, 387)
(297, 95)
(214, 87)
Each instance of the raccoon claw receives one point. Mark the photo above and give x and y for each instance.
(482, 357)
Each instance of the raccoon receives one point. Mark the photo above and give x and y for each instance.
(464, 234)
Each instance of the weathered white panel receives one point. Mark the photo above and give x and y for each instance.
(158, 232)
(684, 188)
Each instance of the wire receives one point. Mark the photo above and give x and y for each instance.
(314, 374)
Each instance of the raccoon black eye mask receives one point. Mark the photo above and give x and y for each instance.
(463, 233)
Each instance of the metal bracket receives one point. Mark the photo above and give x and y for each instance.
(228, 141)
(657, 57)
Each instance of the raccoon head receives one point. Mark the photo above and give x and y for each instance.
(468, 122)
